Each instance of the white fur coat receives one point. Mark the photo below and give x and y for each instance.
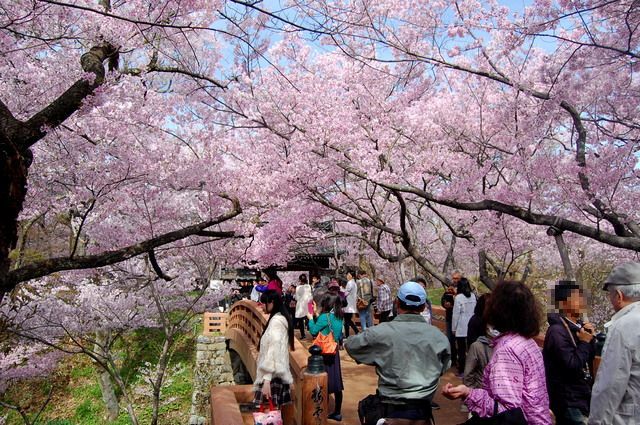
(273, 359)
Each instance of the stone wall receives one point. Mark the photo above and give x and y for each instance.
(212, 367)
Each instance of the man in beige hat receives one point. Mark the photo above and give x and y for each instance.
(615, 399)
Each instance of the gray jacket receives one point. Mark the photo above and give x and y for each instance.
(615, 399)
(409, 355)
(477, 358)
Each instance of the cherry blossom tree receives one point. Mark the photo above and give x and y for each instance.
(446, 132)
(461, 107)
(546, 135)
(89, 315)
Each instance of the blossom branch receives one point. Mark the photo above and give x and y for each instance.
(45, 267)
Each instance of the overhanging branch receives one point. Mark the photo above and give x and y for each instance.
(625, 242)
(46, 267)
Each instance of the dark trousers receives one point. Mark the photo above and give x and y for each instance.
(412, 411)
(384, 316)
(348, 323)
(461, 348)
(302, 324)
(452, 343)
(570, 416)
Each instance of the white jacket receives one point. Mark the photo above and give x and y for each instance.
(303, 296)
(462, 311)
(615, 398)
(351, 291)
(273, 359)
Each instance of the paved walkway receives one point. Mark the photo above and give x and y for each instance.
(361, 380)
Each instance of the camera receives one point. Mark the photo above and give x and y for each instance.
(581, 324)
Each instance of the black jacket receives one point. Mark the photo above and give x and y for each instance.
(567, 383)
(448, 311)
(475, 329)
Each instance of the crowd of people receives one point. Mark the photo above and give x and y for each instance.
(491, 339)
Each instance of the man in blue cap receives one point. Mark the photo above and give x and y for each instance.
(410, 356)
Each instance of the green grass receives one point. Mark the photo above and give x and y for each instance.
(77, 397)
(82, 371)
(435, 294)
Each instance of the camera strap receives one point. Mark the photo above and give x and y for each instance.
(585, 367)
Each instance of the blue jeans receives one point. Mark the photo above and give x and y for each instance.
(365, 317)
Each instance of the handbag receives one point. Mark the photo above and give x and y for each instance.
(370, 409)
(272, 417)
(361, 304)
(327, 342)
(508, 417)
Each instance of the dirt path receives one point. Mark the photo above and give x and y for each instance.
(361, 380)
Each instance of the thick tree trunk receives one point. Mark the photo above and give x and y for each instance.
(449, 262)
(483, 270)
(104, 379)
(14, 167)
(564, 255)
(109, 396)
(16, 137)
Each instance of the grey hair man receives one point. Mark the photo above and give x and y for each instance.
(615, 399)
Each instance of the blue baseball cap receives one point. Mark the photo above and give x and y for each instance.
(412, 293)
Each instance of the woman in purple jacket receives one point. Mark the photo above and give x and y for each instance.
(514, 378)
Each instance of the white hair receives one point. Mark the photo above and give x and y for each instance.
(630, 292)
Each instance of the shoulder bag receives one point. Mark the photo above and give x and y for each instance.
(327, 342)
(508, 417)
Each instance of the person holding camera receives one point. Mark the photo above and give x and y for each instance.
(569, 349)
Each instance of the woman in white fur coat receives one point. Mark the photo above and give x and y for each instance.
(273, 375)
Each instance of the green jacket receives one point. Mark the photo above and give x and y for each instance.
(319, 324)
(410, 356)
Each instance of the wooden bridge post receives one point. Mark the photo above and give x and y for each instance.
(314, 395)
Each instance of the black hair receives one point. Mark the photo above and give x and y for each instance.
(480, 305)
(272, 274)
(420, 279)
(464, 287)
(303, 278)
(272, 296)
(331, 301)
(512, 307)
(562, 291)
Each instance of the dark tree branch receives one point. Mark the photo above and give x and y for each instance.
(70, 101)
(618, 226)
(411, 249)
(9, 125)
(218, 234)
(175, 70)
(45, 267)
(375, 246)
(581, 144)
(625, 242)
(156, 267)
